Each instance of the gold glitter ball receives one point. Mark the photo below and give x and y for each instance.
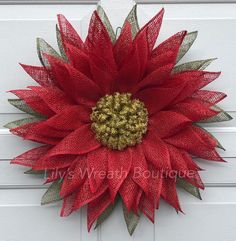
(119, 121)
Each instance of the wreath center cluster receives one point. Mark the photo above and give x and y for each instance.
(119, 121)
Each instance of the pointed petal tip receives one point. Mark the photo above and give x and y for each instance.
(38, 39)
(12, 162)
(60, 16)
(180, 210)
(213, 59)
(224, 161)
(194, 33)
(161, 13)
(162, 10)
(6, 126)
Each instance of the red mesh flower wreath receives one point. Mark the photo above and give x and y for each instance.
(117, 118)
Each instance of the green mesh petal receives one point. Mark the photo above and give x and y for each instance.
(44, 47)
(21, 105)
(189, 188)
(107, 212)
(106, 22)
(132, 19)
(222, 116)
(21, 122)
(193, 65)
(35, 172)
(52, 194)
(186, 45)
(131, 220)
(60, 45)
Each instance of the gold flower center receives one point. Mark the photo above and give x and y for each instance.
(119, 121)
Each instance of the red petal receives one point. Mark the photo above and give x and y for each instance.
(55, 175)
(211, 97)
(139, 168)
(194, 80)
(186, 168)
(167, 123)
(195, 142)
(78, 142)
(119, 164)
(97, 167)
(129, 191)
(99, 42)
(102, 74)
(181, 160)
(171, 44)
(54, 98)
(55, 162)
(23, 130)
(194, 109)
(147, 207)
(158, 98)
(78, 59)
(96, 208)
(75, 176)
(169, 193)
(68, 33)
(141, 46)
(152, 28)
(45, 134)
(85, 196)
(30, 157)
(67, 206)
(195, 180)
(155, 79)
(155, 185)
(134, 66)
(34, 101)
(137, 200)
(163, 59)
(123, 44)
(74, 83)
(156, 150)
(70, 118)
(39, 74)
(130, 73)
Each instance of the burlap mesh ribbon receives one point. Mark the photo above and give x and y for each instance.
(67, 40)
